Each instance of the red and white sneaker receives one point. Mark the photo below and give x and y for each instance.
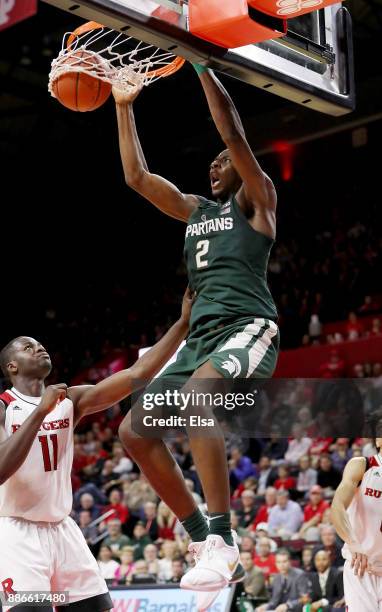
(215, 564)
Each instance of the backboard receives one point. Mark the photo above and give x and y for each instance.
(312, 65)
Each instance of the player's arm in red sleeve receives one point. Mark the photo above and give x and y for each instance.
(160, 192)
(352, 476)
(257, 192)
(88, 399)
(15, 448)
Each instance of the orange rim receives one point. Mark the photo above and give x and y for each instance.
(164, 71)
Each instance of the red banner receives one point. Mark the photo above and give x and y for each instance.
(12, 11)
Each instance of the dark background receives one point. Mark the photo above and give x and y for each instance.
(78, 246)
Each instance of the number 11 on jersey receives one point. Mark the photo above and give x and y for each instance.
(46, 453)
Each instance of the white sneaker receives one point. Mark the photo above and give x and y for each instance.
(214, 566)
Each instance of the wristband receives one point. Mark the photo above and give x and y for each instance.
(200, 68)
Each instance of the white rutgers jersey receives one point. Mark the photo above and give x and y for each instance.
(41, 489)
(365, 514)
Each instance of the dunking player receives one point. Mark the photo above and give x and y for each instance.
(357, 516)
(42, 549)
(232, 331)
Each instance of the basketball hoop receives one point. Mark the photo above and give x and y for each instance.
(112, 57)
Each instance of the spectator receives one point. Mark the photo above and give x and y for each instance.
(327, 587)
(150, 520)
(120, 510)
(191, 487)
(284, 480)
(90, 533)
(150, 555)
(106, 564)
(320, 445)
(315, 328)
(298, 446)
(115, 538)
(307, 476)
(307, 559)
(241, 531)
(87, 503)
(240, 466)
(265, 475)
(247, 544)
(289, 588)
(137, 493)
(166, 520)
(107, 475)
(329, 543)
(327, 477)
(341, 455)
(122, 464)
(141, 574)
(90, 443)
(168, 551)
(277, 445)
(265, 560)
(286, 517)
(249, 509)
(313, 513)
(254, 581)
(262, 532)
(334, 367)
(369, 306)
(263, 512)
(139, 540)
(177, 569)
(126, 568)
(354, 329)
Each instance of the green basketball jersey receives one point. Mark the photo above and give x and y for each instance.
(227, 265)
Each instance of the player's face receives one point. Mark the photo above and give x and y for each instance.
(223, 176)
(30, 358)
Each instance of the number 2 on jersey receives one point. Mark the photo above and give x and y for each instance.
(44, 441)
(202, 250)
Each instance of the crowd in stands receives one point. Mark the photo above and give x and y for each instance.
(281, 495)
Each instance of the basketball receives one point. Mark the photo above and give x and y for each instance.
(78, 90)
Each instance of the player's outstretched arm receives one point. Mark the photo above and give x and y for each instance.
(353, 474)
(14, 450)
(160, 192)
(258, 190)
(88, 399)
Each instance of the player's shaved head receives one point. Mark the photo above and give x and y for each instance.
(7, 353)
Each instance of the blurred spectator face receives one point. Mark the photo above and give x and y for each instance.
(307, 556)
(108, 467)
(282, 563)
(264, 463)
(234, 520)
(264, 547)
(250, 484)
(283, 471)
(86, 501)
(297, 431)
(328, 536)
(139, 531)
(235, 454)
(169, 549)
(150, 553)
(177, 568)
(114, 528)
(141, 567)
(325, 463)
(282, 498)
(246, 561)
(127, 555)
(118, 451)
(270, 496)
(304, 463)
(150, 510)
(352, 317)
(107, 434)
(321, 561)
(358, 371)
(115, 497)
(85, 518)
(96, 428)
(315, 495)
(247, 544)
(78, 452)
(356, 450)
(89, 436)
(105, 554)
(377, 370)
(248, 498)
(304, 415)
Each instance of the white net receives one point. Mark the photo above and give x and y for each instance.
(112, 57)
